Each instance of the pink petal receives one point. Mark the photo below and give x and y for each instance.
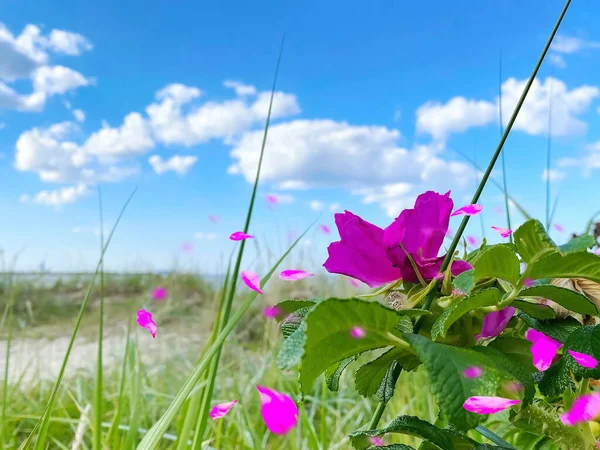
(325, 229)
(159, 293)
(504, 232)
(213, 218)
(144, 320)
(187, 247)
(513, 387)
(597, 252)
(376, 441)
(528, 282)
(543, 350)
(219, 411)
(498, 210)
(272, 199)
(584, 360)
(488, 405)
(495, 322)
(354, 283)
(358, 332)
(240, 236)
(472, 240)
(583, 409)
(449, 232)
(278, 411)
(468, 210)
(271, 312)
(473, 372)
(558, 228)
(293, 275)
(252, 280)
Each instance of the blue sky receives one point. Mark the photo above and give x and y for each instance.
(375, 100)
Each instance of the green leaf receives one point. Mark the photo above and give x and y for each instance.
(289, 306)
(369, 377)
(555, 380)
(487, 297)
(572, 265)
(333, 374)
(559, 329)
(497, 261)
(465, 282)
(394, 447)
(445, 365)
(583, 340)
(292, 349)
(532, 241)
(291, 323)
(408, 425)
(535, 310)
(414, 312)
(515, 348)
(328, 338)
(578, 244)
(573, 301)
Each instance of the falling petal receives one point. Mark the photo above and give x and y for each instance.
(219, 411)
(251, 280)
(187, 247)
(159, 293)
(278, 411)
(558, 228)
(473, 372)
(488, 405)
(528, 282)
(358, 332)
(472, 240)
(504, 232)
(468, 210)
(325, 229)
(597, 252)
(293, 275)
(543, 350)
(584, 360)
(583, 409)
(271, 312)
(213, 219)
(495, 322)
(376, 441)
(144, 320)
(240, 236)
(353, 282)
(498, 210)
(272, 199)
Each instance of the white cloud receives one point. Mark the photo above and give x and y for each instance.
(178, 164)
(283, 199)
(79, 115)
(58, 197)
(240, 88)
(20, 55)
(553, 175)
(54, 80)
(206, 236)
(67, 42)
(587, 162)
(557, 60)
(316, 205)
(10, 99)
(572, 44)
(334, 207)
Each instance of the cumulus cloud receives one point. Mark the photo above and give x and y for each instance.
(316, 205)
(58, 197)
(571, 44)
(79, 115)
(178, 164)
(557, 60)
(587, 162)
(67, 42)
(553, 175)
(53, 80)
(240, 88)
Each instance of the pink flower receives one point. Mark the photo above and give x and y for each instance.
(376, 441)
(472, 240)
(214, 219)
(278, 411)
(357, 332)
(240, 236)
(504, 232)
(325, 229)
(251, 280)
(584, 360)
(488, 405)
(271, 312)
(293, 275)
(468, 210)
(583, 409)
(558, 228)
(543, 350)
(219, 411)
(159, 293)
(187, 247)
(473, 372)
(144, 320)
(495, 322)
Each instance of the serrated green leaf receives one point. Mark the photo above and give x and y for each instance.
(515, 348)
(578, 244)
(535, 310)
(497, 261)
(573, 301)
(487, 297)
(292, 349)
(465, 282)
(555, 380)
(413, 312)
(333, 374)
(408, 425)
(291, 322)
(559, 329)
(586, 340)
(533, 242)
(393, 447)
(369, 377)
(292, 305)
(445, 365)
(572, 265)
(328, 338)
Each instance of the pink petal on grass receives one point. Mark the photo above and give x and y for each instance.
(584, 360)
(240, 236)
(376, 441)
(504, 232)
(278, 410)
(583, 409)
(558, 228)
(472, 240)
(159, 293)
(468, 210)
(144, 320)
(488, 405)
(219, 411)
(357, 332)
(325, 229)
(271, 312)
(543, 350)
(251, 280)
(473, 372)
(293, 275)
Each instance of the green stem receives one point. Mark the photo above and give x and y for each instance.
(97, 430)
(493, 437)
(431, 296)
